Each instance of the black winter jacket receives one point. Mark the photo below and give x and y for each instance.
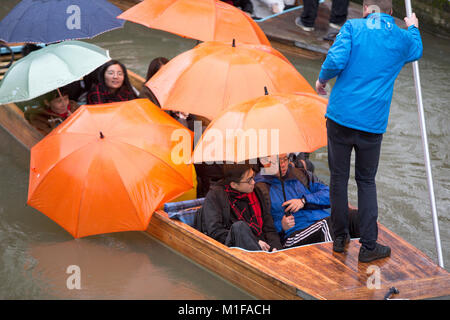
(218, 217)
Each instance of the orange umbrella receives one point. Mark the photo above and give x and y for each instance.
(214, 75)
(204, 20)
(268, 125)
(107, 168)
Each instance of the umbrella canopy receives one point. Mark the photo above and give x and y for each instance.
(49, 21)
(215, 75)
(268, 125)
(107, 168)
(204, 20)
(50, 68)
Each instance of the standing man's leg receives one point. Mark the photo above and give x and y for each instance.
(339, 11)
(338, 16)
(309, 14)
(340, 144)
(367, 152)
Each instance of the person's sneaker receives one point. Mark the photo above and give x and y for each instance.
(299, 23)
(340, 243)
(379, 252)
(335, 26)
(332, 32)
(331, 35)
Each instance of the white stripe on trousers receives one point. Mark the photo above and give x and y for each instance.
(320, 225)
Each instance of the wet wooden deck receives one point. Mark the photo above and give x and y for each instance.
(310, 272)
(283, 30)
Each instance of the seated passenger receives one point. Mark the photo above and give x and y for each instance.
(234, 215)
(301, 160)
(153, 67)
(28, 48)
(185, 119)
(300, 219)
(113, 85)
(207, 174)
(244, 5)
(265, 8)
(53, 109)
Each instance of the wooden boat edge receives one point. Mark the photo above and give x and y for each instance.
(265, 283)
(217, 258)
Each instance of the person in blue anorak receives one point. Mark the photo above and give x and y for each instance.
(366, 58)
(298, 202)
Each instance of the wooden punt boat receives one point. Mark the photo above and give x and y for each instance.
(308, 272)
(312, 271)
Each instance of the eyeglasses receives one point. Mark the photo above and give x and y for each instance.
(249, 180)
(284, 159)
(112, 73)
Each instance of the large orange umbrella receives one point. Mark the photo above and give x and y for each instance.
(205, 20)
(265, 126)
(107, 168)
(215, 75)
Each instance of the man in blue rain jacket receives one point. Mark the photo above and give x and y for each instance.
(366, 58)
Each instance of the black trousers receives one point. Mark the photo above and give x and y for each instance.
(339, 10)
(341, 142)
(322, 231)
(240, 235)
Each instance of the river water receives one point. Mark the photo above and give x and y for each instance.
(35, 252)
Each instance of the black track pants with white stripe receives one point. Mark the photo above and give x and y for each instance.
(321, 231)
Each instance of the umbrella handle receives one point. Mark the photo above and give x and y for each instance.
(11, 52)
(287, 214)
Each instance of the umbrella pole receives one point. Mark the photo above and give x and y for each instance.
(425, 148)
(282, 184)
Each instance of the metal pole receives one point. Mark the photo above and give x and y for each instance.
(425, 149)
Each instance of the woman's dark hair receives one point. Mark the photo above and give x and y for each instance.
(28, 48)
(234, 172)
(101, 74)
(49, 96)
(155, 65)
(91, 79)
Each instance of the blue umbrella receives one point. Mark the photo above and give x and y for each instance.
(48, 21)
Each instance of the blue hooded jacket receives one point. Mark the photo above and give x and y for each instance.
(317, 199)
(367, 57)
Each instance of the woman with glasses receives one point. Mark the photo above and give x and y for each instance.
(113, 85)
(234, 215)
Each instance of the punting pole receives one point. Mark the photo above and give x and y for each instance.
(425, 149)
